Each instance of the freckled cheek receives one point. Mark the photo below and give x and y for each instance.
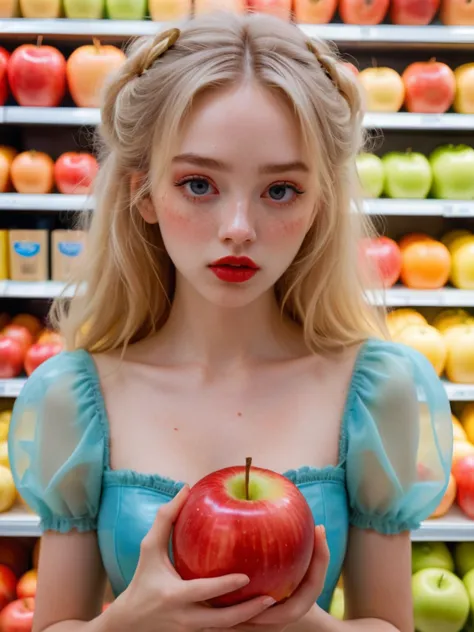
(287, 229)
(189, 225)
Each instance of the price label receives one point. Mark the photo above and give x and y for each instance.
(459, 210)
(430, 120)
(366, 32)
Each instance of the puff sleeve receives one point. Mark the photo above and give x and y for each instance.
(399, 439)
(57, 445)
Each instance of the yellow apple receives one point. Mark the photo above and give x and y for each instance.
(384, 89)
(7, 490)
(450, 317)
(9, 8)
(459, 433)
(207, 6)
(467, 420)
(448, 499)
(464, 100)
(4, 461)
(462, 264)
(449, 238)
(460, 357)
(398, 319)
(428, 341)
(40, 8)
(163, 10)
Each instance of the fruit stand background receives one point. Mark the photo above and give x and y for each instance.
(46, 168)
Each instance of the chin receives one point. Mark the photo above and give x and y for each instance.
(232, 296)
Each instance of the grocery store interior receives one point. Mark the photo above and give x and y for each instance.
(415, 61)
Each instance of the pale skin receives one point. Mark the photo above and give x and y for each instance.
(220, 378)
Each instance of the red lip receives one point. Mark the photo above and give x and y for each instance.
(242, 262)
(234, 269)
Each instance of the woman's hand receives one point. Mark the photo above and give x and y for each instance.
(158, 599)
(303, 600)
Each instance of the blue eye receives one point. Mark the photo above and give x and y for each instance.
(198, 187)
(278, 192)
(283, 192)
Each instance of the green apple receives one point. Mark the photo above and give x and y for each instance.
(336, 609)
(371, 174)
(430, 555)
(126, 9)
(84, 9)
(453, 172)
(464, 557)
(469, 583)
(440, 600)
(407, 175)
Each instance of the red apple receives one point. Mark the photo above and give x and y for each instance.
(39, 353)
(87, 70)
(413, 12)
(463, 472)
(18, 616)
(20, 333)
(8, 583)
(383, 254)
(4, 58)
(430, 87)
(264, 530)
(15, 555)
(457, 12)
(37, 75)
(12, 355)
(27, 584)
(74, 172)
(314, 11)
(350, 66)
(363, 11)
(279, 8)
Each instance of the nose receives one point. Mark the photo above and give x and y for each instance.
(237, 225)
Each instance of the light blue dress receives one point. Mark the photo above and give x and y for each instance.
(394, 462)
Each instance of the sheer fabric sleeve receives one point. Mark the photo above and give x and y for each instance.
(399, 438)
(57, 445)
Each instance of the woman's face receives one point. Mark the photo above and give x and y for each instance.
(240, 185)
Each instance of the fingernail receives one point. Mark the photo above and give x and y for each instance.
(268, 602)
(322, 530)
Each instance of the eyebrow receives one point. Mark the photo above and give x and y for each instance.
(211, 163)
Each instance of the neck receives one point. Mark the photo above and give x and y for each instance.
(228, 337)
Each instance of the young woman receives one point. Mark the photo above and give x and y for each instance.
(224, 316)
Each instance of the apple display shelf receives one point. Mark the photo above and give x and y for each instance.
(61, 129)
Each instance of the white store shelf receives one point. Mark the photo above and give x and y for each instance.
(400, 296)
(456, 392)
(55, 202)
(340, 33)
(50, 202)
(15, 115)
(427, 208)
(452, 528)
(19, 522)
(24, 289)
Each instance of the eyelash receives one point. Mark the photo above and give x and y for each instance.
(196, 199)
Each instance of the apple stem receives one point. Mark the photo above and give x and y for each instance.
(248, 465)
(39, 41)
(96, 43)
(440, 580)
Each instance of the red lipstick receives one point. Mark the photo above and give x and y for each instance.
(234, 269)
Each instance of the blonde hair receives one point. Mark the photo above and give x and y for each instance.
(129, 277)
